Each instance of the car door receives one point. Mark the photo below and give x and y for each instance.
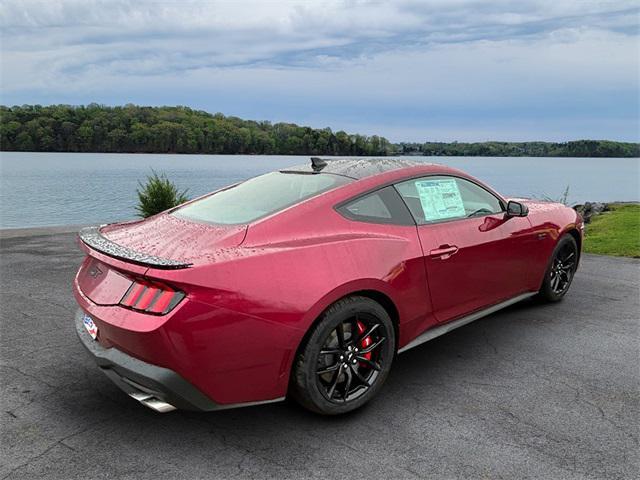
(475, 255)
(393, 255)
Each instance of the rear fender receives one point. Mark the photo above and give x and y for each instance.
(314, 313)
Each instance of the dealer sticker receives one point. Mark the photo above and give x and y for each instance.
(90, 326)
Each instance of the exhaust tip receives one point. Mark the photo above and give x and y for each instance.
(152, 402)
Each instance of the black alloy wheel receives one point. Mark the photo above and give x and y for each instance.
(349, 360)
(346, 358)
(561, 270)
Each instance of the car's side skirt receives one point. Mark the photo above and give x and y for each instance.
(447, 327)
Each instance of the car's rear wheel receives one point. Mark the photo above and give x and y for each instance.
(560, 271)
(346, 358)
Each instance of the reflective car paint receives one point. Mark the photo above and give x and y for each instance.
(459, 283)
(254, 290)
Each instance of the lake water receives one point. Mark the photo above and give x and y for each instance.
(41, 189)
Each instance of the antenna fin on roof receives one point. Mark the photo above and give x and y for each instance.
(318, 164)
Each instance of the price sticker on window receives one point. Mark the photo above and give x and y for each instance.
(440, 199)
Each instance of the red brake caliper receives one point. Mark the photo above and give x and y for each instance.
(365, 342)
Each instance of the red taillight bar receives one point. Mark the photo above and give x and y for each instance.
(131, 297)
(151, 297)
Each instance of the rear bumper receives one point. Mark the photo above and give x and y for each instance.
(156, 387)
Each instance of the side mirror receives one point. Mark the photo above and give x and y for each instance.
(517, 209)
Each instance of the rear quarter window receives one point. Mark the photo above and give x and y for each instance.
(380, 206)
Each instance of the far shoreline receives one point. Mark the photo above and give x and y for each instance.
(305, 155)
(178, 129)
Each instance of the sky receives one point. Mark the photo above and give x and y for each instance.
(431, 70)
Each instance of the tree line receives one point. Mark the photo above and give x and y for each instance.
(136, 129)
(577, 148)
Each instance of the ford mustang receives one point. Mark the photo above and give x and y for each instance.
(307, 282)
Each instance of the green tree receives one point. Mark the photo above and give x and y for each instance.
(157, 195)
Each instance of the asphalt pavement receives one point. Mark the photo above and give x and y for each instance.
(534, 391)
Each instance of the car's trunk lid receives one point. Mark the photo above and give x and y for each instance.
(120, 252)
(164, 241)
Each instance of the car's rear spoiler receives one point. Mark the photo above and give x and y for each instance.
(92, 237)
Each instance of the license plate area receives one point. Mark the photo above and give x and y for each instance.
(102, 284)
(90, 326)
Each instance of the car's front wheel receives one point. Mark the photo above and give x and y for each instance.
(560, 271)
(346, 358)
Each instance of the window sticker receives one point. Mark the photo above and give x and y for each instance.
(440, 199)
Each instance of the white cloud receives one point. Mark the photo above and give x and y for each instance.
(428, 58)
(194, 34)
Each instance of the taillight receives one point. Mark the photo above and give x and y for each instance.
(151, 297)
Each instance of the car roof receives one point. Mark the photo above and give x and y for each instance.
(356, 168)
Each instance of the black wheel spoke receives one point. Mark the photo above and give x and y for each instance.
(367, 333)
(372, 347)
(368, 362)
(334, 383)
(332, 368)
(347, 385)
(354, 369)
(330, 351)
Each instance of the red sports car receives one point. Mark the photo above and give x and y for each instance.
(308, 281)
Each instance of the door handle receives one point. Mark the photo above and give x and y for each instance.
(444, 251)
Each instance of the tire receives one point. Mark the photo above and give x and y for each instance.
(561, 269)
(361, 360)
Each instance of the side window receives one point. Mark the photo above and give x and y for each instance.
(369, 206)
(439, 198)
(381, 206)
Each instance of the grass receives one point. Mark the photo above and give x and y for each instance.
(616, 232)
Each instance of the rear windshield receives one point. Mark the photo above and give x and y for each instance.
(259, 197)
